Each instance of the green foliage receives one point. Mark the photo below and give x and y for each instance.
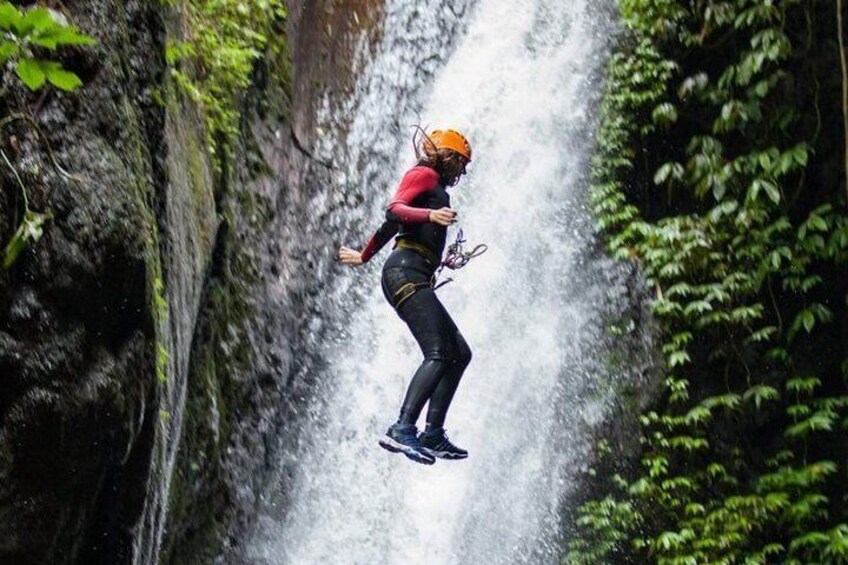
(740, 459)
(160, 309)
(214, 63)
(25, 33)
(28, 233)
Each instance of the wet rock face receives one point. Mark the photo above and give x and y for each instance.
(100, 461)
(324, 37)
(80, 423)
(246, 385)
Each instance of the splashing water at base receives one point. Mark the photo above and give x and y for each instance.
(521, 84)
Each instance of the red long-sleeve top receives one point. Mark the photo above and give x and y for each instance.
(415, 182)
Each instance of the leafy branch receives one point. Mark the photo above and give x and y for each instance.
(24, 34)
(741, 456)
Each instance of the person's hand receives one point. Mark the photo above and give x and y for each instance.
(350, 256)
(443, 216)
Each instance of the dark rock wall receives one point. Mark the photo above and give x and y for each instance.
(324, 36)
(249, 377)
(151, 373)
(243, 388)
(86, 428)
(134, 296)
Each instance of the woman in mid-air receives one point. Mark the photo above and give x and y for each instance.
(420, 214)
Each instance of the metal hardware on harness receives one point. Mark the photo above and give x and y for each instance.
(456, 258)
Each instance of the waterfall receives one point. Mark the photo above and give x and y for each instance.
(521, 80)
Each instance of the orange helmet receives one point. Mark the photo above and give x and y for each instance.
(449, 139)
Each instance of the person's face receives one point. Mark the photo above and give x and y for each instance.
(455, 167)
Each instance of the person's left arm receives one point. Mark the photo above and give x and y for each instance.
(380, 238)
(415, 182)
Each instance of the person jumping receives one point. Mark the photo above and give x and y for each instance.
(419, 214)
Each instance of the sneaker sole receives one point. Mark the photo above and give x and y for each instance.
(393, 446)
(444, 454)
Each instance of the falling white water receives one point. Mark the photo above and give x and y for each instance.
(521, 80)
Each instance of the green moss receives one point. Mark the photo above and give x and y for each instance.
(213, 65)
(199, 514)
(223, 354)
(185, 132)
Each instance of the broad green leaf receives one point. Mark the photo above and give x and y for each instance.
(668, 171)
(797, 411)
(35, 19)
(808, 320)
(838, 546)
(822, 420)
(70, 35)
(773, 549)
(7, 51)
(818, 223)
(698, 414)
(66, 80)
(803, 384)
(772, 191)
(664, 114)
(692, 85)
(28, 233)
(56, 35)
(808, 540)
(729, 400)
(763, 334)
(688, 443)
(678, 358)
(47, 39)
(760, 393)
(32, 74)
(694, 509)
(10, 17)
(699, 306)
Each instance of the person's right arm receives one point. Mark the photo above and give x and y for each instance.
(416, 182)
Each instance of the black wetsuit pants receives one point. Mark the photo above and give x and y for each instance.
(446, 354)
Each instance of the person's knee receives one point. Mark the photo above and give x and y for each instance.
(462, 355)
(465, 356)
(438, 354)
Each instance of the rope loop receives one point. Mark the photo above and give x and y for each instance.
(456, 258)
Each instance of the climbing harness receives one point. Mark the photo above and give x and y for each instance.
(405, 292)
(455, 258)
(422, 250)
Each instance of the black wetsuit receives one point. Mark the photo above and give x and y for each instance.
(406, 285)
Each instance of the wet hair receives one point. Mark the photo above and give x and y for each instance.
(447, 162)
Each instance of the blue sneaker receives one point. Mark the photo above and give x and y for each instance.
(403, 438)
(436, 443)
